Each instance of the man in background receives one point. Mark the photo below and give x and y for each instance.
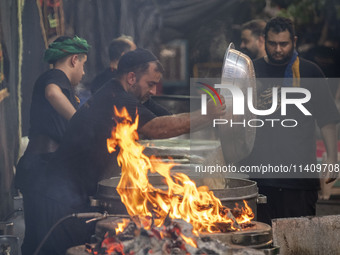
(252, 38)
(289, 195)
(118, 47)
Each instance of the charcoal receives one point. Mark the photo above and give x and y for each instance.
(223, 227)
(146, 250)
(144, 232)
(177, 251)
(201, 207)
(164, 240)
(205, 251)
(129, 229)
(139, 244)
(95, 248)
(186, 228)
(156, 233)
(213, 245)
(167, 221)
(123, 238)
(247, 225)
(236, 212)
(206, 239)
(136, 220)
(224, 211)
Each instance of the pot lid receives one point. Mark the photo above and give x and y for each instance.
(237, 137)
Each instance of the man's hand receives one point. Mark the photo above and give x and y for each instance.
(215, 111)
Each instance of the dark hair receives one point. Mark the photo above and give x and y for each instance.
(256, 27)
(119, 46)
(141, 69)
(278, 25)
(137, 61)
(62, 38)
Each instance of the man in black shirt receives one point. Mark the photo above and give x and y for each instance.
(118, 47)
(53, 105)
(279, 145)
(252, 39)
(82, 159)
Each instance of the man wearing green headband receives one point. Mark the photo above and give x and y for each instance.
(53, 105)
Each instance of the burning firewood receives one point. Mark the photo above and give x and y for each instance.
(175, 238)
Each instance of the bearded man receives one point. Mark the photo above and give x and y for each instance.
(290, 195)
(252, 38)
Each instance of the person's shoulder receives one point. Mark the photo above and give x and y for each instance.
(54, 76)
(260, 67)
(100, 79)
(310, 69)
(54, 73)
(111, 88)
(57, 77)
(259, 64)
(304, 61)
(259, 61)
(105, 73)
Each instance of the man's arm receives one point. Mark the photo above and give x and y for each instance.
(330, 139)
(178, 124)
(59, 101)
(156, 108)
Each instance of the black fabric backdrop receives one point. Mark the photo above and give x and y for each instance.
(9, 124)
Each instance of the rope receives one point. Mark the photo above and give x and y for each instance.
(21, 4)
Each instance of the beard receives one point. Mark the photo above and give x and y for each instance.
(249, 53)
(284, 60)
(137, 93)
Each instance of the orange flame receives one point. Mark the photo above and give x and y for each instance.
(121, 226)
(247, 214)
(182, 199)
(189, 240)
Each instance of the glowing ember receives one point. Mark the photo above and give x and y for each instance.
(182, 199)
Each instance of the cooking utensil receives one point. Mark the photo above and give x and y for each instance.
(237, 140)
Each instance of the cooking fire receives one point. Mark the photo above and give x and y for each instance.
(158, 214)
(173, 237)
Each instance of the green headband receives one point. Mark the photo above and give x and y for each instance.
(58, 50)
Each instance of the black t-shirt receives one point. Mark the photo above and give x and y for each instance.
(102, 78)
(82, 159)
(44, 119)
(307, 69)
(290, 145)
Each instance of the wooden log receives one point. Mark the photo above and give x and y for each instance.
(307, 235)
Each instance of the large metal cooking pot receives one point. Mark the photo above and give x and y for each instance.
(235, 191)
(237, 140)
(185, 152)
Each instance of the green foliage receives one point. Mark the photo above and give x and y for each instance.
(304, 11)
